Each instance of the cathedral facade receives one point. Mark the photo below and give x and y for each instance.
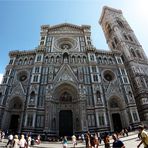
(67, 86)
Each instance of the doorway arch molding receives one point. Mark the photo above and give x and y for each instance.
(117, 113)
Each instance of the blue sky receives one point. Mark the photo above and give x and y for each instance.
(20, 21)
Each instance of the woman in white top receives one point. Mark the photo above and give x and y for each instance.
(22, 142)
(16, 142)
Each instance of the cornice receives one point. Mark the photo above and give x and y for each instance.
(21, 53)
(110, 9)
(48, 27)
(105, 52)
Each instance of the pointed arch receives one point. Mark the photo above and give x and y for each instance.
(120, 23)
(133, 52)
(138, 54)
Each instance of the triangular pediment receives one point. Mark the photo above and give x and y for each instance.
(68, 27)
(113, 89)
(18, 90)
(65, 74)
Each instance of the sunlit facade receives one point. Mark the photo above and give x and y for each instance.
(67, 86)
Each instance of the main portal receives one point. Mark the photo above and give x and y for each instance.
(65, 123)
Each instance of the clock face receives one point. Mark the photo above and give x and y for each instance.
(23, 78)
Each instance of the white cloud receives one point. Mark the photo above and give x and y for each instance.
(1, 77)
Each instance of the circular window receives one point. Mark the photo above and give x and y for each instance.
(109, 75)
(65, 46)
(22, 76)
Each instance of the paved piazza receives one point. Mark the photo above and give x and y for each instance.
(130, 142)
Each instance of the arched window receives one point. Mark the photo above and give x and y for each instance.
(38, 58)
(125, 37)
(105, 60)
(57, 59)
(100, 60)
(25, 61)
(20, 62)
(110, 61)
(84, 59)
(92, 57)
(73, 59)
(130, 38)
(138, 53)
(31, 61)
(130, 93)
(113, 45)
(120, 24)
(116, 41)
(65, 57)
(46, 59)
(79, 59)
(52, 59)
(133, 52)
(95, 78)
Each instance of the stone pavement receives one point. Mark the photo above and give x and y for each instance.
(130, 142)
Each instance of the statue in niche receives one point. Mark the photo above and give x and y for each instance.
(66, 97)
(98, 96)
(130, 96)
(32, 97)
(49, 88)
(65, 60)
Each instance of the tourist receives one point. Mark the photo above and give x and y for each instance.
(107, 140)
(38, 139)
(16, 142)
(74, 141)
(23, 142)
(117, 143)
(144, 137)
(10, 140)
(65, 142)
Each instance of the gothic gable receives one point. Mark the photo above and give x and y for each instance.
(18, 90)
(65, 74)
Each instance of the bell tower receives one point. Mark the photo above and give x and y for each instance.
(121, 37)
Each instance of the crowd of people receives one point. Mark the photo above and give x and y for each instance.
(91, 140)
(94, 140)
(19, 141)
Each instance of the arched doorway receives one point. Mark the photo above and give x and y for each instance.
(15, 113)
(116, 107)
(117, 122)
(65, 123)
(14, 123)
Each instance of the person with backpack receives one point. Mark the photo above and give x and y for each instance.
(144, 137)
